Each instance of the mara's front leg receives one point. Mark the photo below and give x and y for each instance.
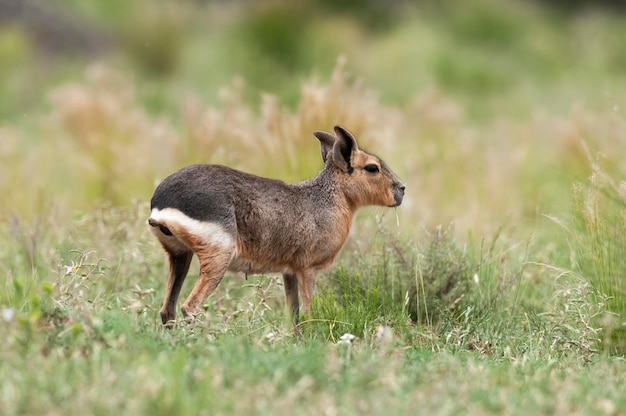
(306, 286)
(290, 283)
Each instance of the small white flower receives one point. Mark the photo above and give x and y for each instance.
(8, 314)
(346, 339)
(71, 269)
(270, 337)
(380, 331)
(384, 335)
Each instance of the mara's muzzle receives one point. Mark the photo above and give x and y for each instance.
(398, 194)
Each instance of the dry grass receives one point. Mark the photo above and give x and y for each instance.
(98, 142)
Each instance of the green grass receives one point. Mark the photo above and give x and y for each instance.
(232, 375)
(496, 288)
(190, 371)
(87, 336)
(600, 247)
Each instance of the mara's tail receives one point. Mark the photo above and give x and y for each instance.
(163, 228)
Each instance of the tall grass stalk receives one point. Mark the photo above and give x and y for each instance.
(600, 246)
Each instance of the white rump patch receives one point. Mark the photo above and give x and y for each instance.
(210, 232)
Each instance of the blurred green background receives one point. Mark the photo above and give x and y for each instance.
(479, 51)
(469, 101)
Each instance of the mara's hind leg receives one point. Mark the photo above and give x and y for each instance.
(290, 282)
(214, 261)
(179, 266)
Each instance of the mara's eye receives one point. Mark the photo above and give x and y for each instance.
(371, 168)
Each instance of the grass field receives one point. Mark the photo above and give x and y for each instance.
(496, 288)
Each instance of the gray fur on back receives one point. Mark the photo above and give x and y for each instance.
(260, 211)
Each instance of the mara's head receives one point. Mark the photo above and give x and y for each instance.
(364, 178)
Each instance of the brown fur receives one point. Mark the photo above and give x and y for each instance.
(240, 222)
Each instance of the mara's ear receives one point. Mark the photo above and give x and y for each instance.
(327, 141)
(344, 147)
